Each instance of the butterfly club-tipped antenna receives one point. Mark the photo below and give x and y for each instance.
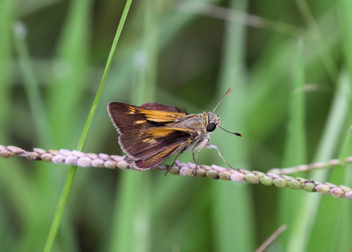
(234, 133)
(228, 91)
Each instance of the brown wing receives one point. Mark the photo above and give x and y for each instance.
(151, 146)
(159, 157)
(160, 107)
(141, 144)
(127, 117)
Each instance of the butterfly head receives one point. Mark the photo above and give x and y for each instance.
(212, 121)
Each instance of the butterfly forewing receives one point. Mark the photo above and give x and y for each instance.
(127, 117)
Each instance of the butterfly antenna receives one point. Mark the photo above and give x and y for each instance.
(237, 134)
(228, 91)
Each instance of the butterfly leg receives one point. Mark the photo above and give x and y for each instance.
(214, 147)
(178, 154)
(169, 166)
(200, 146)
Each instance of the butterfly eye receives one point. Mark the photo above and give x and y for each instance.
(211, 127)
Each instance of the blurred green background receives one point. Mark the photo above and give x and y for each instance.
(290, 64)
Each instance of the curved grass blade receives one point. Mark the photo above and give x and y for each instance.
(70, 178)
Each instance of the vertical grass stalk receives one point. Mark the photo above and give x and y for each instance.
(70, 178)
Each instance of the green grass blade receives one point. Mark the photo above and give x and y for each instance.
(6, 72)
(343, 229)
(346, 24)
(132, 221)
(325, 55)
(295, 146)
(10, 240)
(31, 85)
(296, 140)
(330, 209)
(268, 78)
(70, 75)
(232, 212)
(41, 177)
(343, 237)
(71, 175)
(307, 216)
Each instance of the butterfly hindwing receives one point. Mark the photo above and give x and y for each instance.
(160, 107)
(155, 144)
(159, 157)
(141, 144)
